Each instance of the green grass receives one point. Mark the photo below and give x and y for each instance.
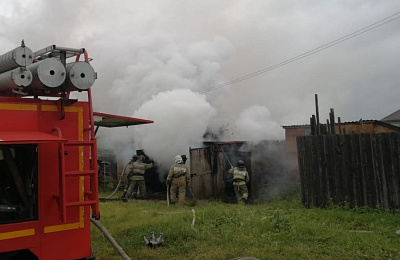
(281, 229)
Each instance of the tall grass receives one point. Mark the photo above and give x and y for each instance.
(281, 229)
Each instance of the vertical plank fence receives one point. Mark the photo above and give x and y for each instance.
(354, 169)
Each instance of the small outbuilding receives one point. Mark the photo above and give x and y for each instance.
(264, 160)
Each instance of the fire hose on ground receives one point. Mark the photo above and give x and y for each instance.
(167, 195)
(110, 239)
(119, 183)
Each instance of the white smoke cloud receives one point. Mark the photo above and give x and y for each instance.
(255, 123)
(160, 83)
(180, 119)
(163, 63)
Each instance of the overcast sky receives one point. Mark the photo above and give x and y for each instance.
(154, 58)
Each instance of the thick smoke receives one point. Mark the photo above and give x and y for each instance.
(161, 84)
(180, 119)
(255, 123)
(165, 63)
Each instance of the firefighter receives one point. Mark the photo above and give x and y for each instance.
(133, 159)
(240, 179)
(136, 176)
(178, 178)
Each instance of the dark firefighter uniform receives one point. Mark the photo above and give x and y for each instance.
(178, 177)
(240, 179)
(136, 176)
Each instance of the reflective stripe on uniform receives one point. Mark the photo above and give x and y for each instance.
(179, 170)
(239, 175)
(139, 171)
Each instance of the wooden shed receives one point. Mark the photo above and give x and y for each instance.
(264, 160)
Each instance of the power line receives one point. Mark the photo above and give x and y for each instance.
(308, 53)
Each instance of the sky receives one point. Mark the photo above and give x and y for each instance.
(164, 60)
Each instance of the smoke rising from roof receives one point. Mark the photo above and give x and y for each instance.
(255, 123)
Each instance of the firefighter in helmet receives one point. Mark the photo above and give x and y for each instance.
(137, 186)
(240, 179)
(178, 178)
(133, 159)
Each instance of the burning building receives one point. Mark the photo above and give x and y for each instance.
(264, 160)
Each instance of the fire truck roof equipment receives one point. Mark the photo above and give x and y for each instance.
(80, 76)
(48, 73)
(15, 78)
(56, 51)
(45, 72)
(19, 57)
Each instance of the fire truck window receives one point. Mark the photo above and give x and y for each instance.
(18, 183)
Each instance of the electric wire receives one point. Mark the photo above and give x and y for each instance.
(308, 53)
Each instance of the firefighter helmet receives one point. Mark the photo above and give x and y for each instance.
(178, 159)
(240, 163)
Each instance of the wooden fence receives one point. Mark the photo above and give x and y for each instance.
(354, 169)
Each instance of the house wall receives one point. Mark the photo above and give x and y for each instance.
(367, 127)
(291, 149)
(290, 137)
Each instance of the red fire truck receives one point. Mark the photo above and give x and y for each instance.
(48, 155)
